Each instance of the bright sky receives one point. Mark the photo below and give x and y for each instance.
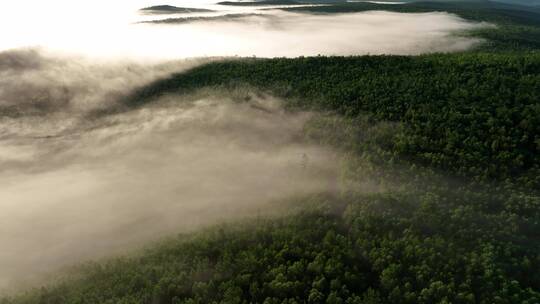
(74, 25)
(107, 28)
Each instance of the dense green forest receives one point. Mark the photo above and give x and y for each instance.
(394, 233)
(473, 114)
(438, 199)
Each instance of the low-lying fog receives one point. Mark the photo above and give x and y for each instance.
(75, 189)
(76, 185)
(114, 28)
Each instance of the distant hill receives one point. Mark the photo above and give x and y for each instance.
(534, 3)
(228, 17)
(528, 3)
(264, 2)
(465, 2)
(169, 9)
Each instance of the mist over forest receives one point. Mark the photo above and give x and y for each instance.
(269, 152)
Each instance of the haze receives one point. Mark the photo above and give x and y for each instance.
(75, 189)
(112, 29)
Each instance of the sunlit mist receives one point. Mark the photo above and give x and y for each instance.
(114, 29)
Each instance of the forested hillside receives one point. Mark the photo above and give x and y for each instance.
(417, 236)
(474, 114)
(438, 198)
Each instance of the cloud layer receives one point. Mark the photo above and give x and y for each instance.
(114, 31)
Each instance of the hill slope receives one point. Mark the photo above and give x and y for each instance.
(422, 237)
(438, 198)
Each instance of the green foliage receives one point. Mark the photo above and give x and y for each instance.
(400, 230)
(475, 115)
(378, 250)
(415, 237)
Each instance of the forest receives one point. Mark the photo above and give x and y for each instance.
(447, 144)
(473, 114)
